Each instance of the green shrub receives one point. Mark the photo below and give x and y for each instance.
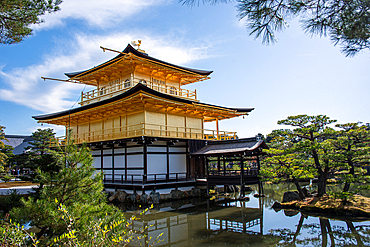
(10, 200)
(7, 178)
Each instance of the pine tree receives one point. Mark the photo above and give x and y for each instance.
(77, 187)
(16, 16)
(38, 153)
(352, 152)
(347, 23)
(3, 156)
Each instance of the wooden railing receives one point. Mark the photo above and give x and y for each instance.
(149, 178)
(247, 172)
(146, 129)
(122, 86)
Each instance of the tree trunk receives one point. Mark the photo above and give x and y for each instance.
(352, 172)
(323, 178)
(323, 175)
(300, 192)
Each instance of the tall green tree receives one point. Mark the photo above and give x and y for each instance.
(3, 156)
(313, 149)
(304, 151)
(38, 155)
(76, 188)
(283, 162)
(16, 16)
(313, 134)
(347, 23)
(352, 151)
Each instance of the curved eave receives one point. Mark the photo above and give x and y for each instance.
(136, 89)
(130, 49)
(232, 147)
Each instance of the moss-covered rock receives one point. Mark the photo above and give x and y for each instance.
(357, 206)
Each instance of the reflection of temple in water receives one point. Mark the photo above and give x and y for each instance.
(206, 223)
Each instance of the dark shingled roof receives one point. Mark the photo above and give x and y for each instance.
(130, 49)
(231, 147)
(129, 92)
(18, 142)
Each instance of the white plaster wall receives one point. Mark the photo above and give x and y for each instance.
(119, 172)
(157, 149)
(178, 149)
(107, 162)
(141, 172)
(135, 160)
(177, 163)
(108, 172)
(119, 151)
(134, 149)
(119, 161)
(157, 163)
(97, 162)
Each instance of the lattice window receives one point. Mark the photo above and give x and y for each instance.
(160, 82)
(127, 83)
(173, 90)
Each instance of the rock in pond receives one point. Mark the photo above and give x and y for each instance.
(154, 197)
(196, 192)
(119, 195)
(176, 194)
(144, 198)
(277, 205)
(131, 198)
(291, 196)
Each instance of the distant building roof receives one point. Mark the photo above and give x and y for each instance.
(230, 147)
(18, 142)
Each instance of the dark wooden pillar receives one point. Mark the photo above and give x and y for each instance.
(206, 164)
(101, 160)
(218, 164)
(260, 185)
(187, 161)
(242, 180)
(207, 174)
(145, 159)
(113, 162)
(168, 161)
(125, 162)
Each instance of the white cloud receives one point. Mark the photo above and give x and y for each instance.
(25, 87)
(96, 12)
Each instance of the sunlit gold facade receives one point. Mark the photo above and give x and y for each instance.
(137, 95)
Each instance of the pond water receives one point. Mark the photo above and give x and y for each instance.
(221, 222)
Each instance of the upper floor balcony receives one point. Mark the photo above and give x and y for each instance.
(147, 129)
(120, 86)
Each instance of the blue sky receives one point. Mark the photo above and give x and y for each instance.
(298, 75)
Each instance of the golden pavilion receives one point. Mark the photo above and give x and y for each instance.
(141, 124)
